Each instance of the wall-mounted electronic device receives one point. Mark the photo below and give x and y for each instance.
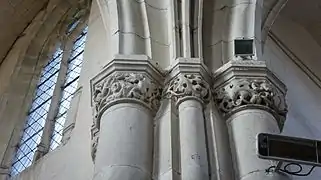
(243, 48)
(292, 150)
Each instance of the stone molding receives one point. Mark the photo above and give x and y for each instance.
(4, 170)
(246, 69)
(188, 85)
(188, 66)
(249, 84)
(125, 79)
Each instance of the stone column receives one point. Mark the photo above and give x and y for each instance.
(124, 102)
(191, 92)
(251, 100)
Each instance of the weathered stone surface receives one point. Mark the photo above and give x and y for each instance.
(243, 92)
(185, 85)
(192, 140)
(125, 86)
(178, 37)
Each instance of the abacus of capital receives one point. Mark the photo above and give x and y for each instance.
(127, 95)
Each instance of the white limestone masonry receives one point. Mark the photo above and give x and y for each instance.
(243, 128)
(191, 93)
(251, 100)
(194, 161)
(161, 95)
(125, 146)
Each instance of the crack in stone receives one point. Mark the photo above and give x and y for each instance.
(142, 37)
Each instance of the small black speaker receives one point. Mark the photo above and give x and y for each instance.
(243, 47)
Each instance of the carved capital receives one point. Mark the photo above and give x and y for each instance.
(188, 85)
(245, 92)
(94, 140)
(240, 85)
(126, 87)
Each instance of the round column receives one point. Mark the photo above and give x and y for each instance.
(191, 92)
(123, 128)
(250, 107)
(125, 148)
(243, 127)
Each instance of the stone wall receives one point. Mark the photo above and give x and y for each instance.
(294, 66)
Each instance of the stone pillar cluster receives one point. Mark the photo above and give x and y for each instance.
(126, 100)
(171, 118)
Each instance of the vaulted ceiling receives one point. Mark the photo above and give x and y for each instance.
(307, 14)
(15, 15)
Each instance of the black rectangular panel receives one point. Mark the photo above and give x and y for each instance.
(319, 151)
(243, 47)
(290, 149)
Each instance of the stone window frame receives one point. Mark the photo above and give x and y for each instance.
(65, 40)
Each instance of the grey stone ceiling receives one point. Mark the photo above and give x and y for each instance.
(15, 15)
(306, 13)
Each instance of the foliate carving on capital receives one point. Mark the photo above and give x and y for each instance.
(185, 85)
(122, 85)
(94, 141)
(241, 92)
(126, 85)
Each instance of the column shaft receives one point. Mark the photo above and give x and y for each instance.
(194, 165)
(125, 149)
(243, 128)
(219, 150)
(191, 92)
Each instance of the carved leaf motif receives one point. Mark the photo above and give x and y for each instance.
(188, 85)
(126, 85)
(244, 92)
(122, 85)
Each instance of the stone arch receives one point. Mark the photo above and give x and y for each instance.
(271, 10)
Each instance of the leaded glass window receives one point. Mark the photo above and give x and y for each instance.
(69, 87)
(43, 102)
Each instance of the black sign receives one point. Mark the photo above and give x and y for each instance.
(289, 149)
